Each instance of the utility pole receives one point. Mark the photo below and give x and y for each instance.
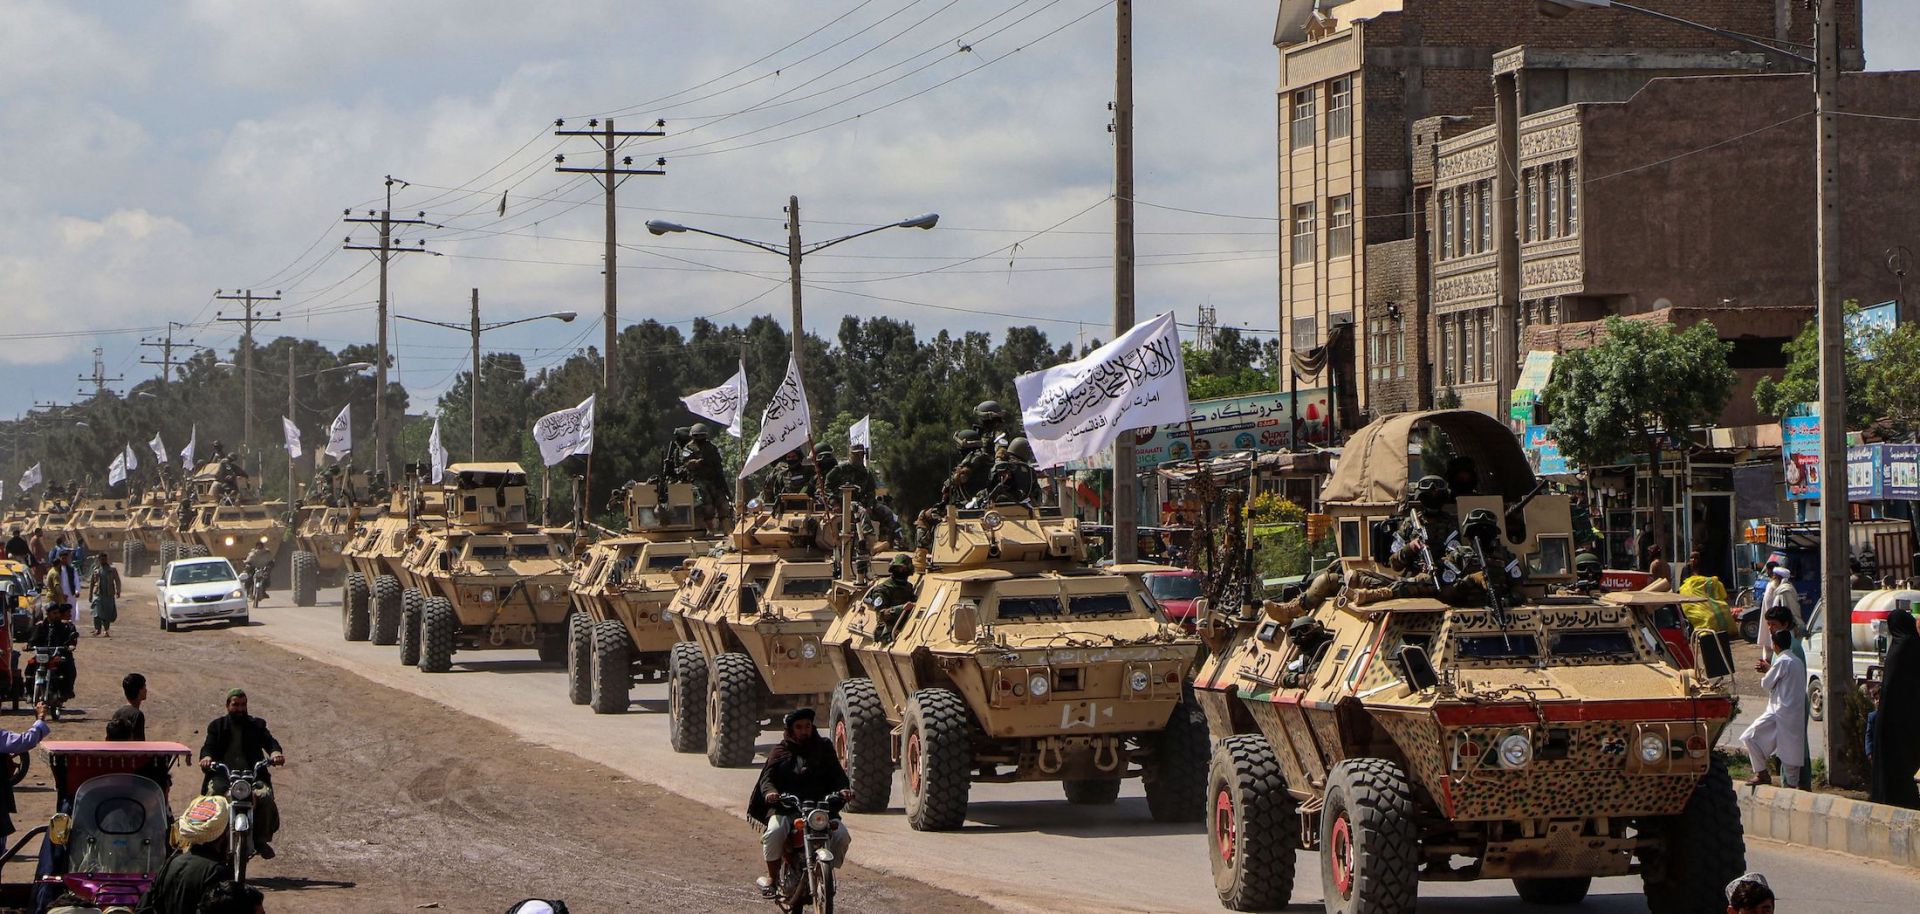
(473, 380)
(294, 417)
(99, 377)
(165, 345)
(611, 175)
(384, 253)
(248, 300)
(793, 277)
(1126, 478)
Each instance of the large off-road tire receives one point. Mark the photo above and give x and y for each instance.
(579, 658)
(1176, 773)
(1369, 841)
(354, 623)
(306, 578)
(1563, 890)
(1253, 824)
(198, 551)
(437, 623)
(1091, 791)
(133, 558)
(687, 698)
(612, 668)
(386, 609)
(408, 633)
(857, 722)
(169, 550)
(1702, 849)
(733, 711)
(937, 760)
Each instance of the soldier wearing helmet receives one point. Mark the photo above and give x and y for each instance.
(855, 473)
(1426, 530)
(1014, 480)
(890, 598)
(823, 463)
(700, 461)
(673, 465)
(990, 420)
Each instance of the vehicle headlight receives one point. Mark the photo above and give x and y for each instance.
(1138, 681)
(1037, 686)
(486, 596)
(819, 820)
(1653, 747)
(240, 790)
(809, 649)
(236, 595)
(1516, 751)
(229, 540)
(546, 593)
(992, 521)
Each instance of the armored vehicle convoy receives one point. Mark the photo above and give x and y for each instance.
(1007, 658)
(750, 622)
(619, 634)
(374, 556)
(485, 577)
(100, 525)
(1442, 705)
(145, 537)
(322, 525)
(227, 517)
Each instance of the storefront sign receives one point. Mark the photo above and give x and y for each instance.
(1863, 472)
(1256, 422)
(1543, 452)
(1534, 375)
(1902, 472)
(1800, 454)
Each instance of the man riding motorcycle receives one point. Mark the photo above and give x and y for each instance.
(260, 566)
(56, 631)
(804, 765)
(240, 740)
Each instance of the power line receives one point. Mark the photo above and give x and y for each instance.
(246, 321)
(610, 176)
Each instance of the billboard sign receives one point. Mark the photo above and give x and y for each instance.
(1902, 469)
(1255, 422)
(1543, 452)
(1800, 452)
(1864, 472)
(1868, 323)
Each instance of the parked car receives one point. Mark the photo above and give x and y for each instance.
(200, 590)
(1869, 648)
(1176, 591)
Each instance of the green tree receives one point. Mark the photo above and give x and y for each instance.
(1800, 383)
(1892, 378)
(1638, 386)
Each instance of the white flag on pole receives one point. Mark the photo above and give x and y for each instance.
(436, 453)
(726, 404)
(565, 433)
(133, 458)
(784, 426)
(861, 434)
(1075, 411)
(117, 470)
(340, 434)
(293, 438)
(186, 453)
(30, 478)
(159, 449)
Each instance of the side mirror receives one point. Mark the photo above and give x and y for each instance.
(1416, 667)
(1713, 655)
(964, 626)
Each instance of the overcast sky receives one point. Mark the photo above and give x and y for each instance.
(156, 152)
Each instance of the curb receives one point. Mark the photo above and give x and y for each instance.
(1853, 827)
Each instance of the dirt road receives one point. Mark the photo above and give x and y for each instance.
(396, 803)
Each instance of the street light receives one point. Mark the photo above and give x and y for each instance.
(476, 328)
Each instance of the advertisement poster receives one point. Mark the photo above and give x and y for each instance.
(1534, 375)
(1902, 472)
(1543, 452)
(1800, 452)
(1869, 323)
(1863, 472)
(1255, 422)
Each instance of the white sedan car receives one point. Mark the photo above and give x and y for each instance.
(200, 590)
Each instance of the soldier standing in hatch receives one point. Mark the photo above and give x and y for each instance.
(703, 466)
(855, 473)
(1422, 541)
(823, 464)
(1014, 481)
(890, 598)
(990, 420)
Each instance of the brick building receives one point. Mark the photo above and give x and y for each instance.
(1367, 85)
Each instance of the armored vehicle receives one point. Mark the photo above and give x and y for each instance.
(374, 556)
(228, 518)
(750, 621)
(322, 524)
(1014, 661)
(145, 537)
(100, 525)
(485, 577)
(618, 633)
(1444, 705)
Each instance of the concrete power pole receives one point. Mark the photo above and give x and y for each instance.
(611, 175)
(165, 345)
(246, 321)
(793, 278)
(384, 253)
(1126, 478)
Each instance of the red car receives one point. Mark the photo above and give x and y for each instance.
(1176, 591)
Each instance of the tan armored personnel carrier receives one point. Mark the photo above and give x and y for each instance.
(145, 537)
(322, 524)
(618, 634)
(228, 517)
(374, 556)
(1473, 719)
(485, 577)
(99, 524)
(1015, 661)
(750, 622)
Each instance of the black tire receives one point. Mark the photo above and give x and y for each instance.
(1750, 627)
(384, 609)
(437, 623)
(552, 646)
(1816, 700)
(1702, 849)
(354, 623)
(21, 763)
(198, 551)
(687, 698)
(306, 578)
(1369, 841)
(133, 558)
(168, 552)
(733, 711)
(612, 668)
(579, 658)
(1176, 773)
(165, 625)
(1091, 791)
(1253, 824)
(408, 635)
(823, 898)
(1563, 890)
(937, 760)
(857, 724)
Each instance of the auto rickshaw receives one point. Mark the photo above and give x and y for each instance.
(110, 832)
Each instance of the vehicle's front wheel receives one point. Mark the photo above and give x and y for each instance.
(306, 578)
(1699, 851)
(579, 649)
(386, 609)
(687, 698)
(354, 622)
(1369, 842)
(1816, 699)
(611, 667)
(1176, 773)
(408, 633)
(437, 623)
(857, 722)
(1253, 824)
(733, 711)
(937, 760)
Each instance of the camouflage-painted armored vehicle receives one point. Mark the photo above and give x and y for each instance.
(619, 634)
(750, 622)
(1014, 661)
(375, 559)
(1443, 707)
(485, 577)
(322, 525)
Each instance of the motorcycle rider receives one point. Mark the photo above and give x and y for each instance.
(56, 630)
(239, 741)
(804, 765)
(260, 566)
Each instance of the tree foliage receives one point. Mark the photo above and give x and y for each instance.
(1884, 387)
(1800, 383)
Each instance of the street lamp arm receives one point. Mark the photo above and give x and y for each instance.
(566, 316)
(923, 222)
(776, 249)
(421, 320)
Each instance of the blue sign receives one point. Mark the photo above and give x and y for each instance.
(1864, 463)
(1902, 472)
(1543, 452)
(1868, 324)
(1800, 452)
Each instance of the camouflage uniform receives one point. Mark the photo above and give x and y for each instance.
(890, 598)
(857, 475)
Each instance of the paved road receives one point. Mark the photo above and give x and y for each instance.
(1023, 849)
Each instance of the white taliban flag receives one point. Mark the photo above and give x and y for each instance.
(436, 453)
(784, 426)
(132, 457)
(340, 434)
(159, 449)
(565, 433)
(186, 453)
(30, 478)
(122, 464)
(293, 438)
(1075, 411)
(726, 404)
(861, 434)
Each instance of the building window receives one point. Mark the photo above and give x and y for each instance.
(1397, 348)
(1470, 221)
(1484, 190)
(1376, 348)
(1551, 227)
(1306, 333)
(1302, 119)
(1486, 345)
(1446, 225)
(1340, 108)
(1531, 181)
(1340, 226)
(1447, 359)
(1303, 233)
(1570, 184)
